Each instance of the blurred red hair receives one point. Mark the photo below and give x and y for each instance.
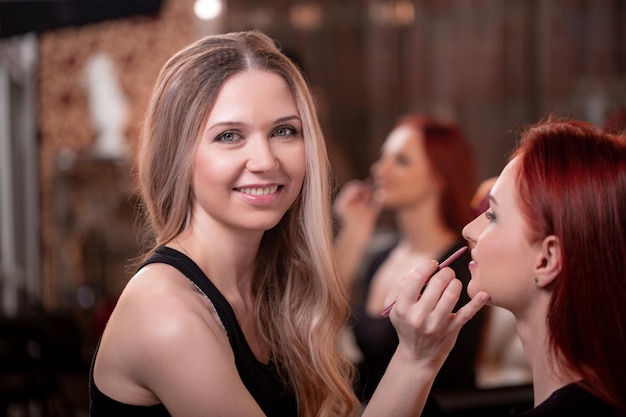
(451, 157)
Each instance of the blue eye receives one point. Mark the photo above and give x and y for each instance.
(285, 131)
(228, 137)
(490, 215)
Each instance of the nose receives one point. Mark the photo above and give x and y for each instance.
(471, 231)
(377, 167)
(261, 155)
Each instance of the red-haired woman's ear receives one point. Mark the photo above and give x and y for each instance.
(548, 265)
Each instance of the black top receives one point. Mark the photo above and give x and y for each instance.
(273, 396)
(377, 339)
(572, 400)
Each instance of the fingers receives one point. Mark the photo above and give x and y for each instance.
(442, 293)
(406, 291)
(428, 291)
(361, 194)
(426, 326)
(470, 309)
(354, 193)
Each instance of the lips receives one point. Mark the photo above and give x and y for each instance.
(256, 191)
(473, 264)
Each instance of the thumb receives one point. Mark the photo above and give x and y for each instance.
(469, 310)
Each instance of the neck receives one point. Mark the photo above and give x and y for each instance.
(549, 373)
(227, 259)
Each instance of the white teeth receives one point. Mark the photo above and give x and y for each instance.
(259, 191)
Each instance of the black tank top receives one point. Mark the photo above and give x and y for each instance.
(273, 396)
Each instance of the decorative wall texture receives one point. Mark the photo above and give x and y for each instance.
(87, 202)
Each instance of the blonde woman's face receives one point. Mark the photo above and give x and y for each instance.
(402, 174)
(503, 259)
(250, 162)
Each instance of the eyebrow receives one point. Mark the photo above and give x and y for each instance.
(275, 122)
(492, 199)
(288, 118)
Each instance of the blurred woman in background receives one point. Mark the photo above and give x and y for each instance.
(425, 177)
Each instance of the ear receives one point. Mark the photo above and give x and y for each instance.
(548, 263)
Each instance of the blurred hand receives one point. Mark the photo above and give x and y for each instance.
(354, 204)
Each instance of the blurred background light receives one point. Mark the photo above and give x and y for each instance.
(306, 16)
(207, 9)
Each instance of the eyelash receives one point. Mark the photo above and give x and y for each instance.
(490, 215)
(291, 131)
(221, 137)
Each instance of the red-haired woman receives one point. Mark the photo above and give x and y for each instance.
(552, 250)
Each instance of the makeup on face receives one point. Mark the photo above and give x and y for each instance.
(444, 264)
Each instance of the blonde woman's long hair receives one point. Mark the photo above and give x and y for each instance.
(300, 304)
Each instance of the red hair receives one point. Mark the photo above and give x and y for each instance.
(451, 158)
(572, 184)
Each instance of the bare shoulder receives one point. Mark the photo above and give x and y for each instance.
(159, 317)
(161, 307)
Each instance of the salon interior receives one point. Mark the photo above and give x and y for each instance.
(75, 78)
